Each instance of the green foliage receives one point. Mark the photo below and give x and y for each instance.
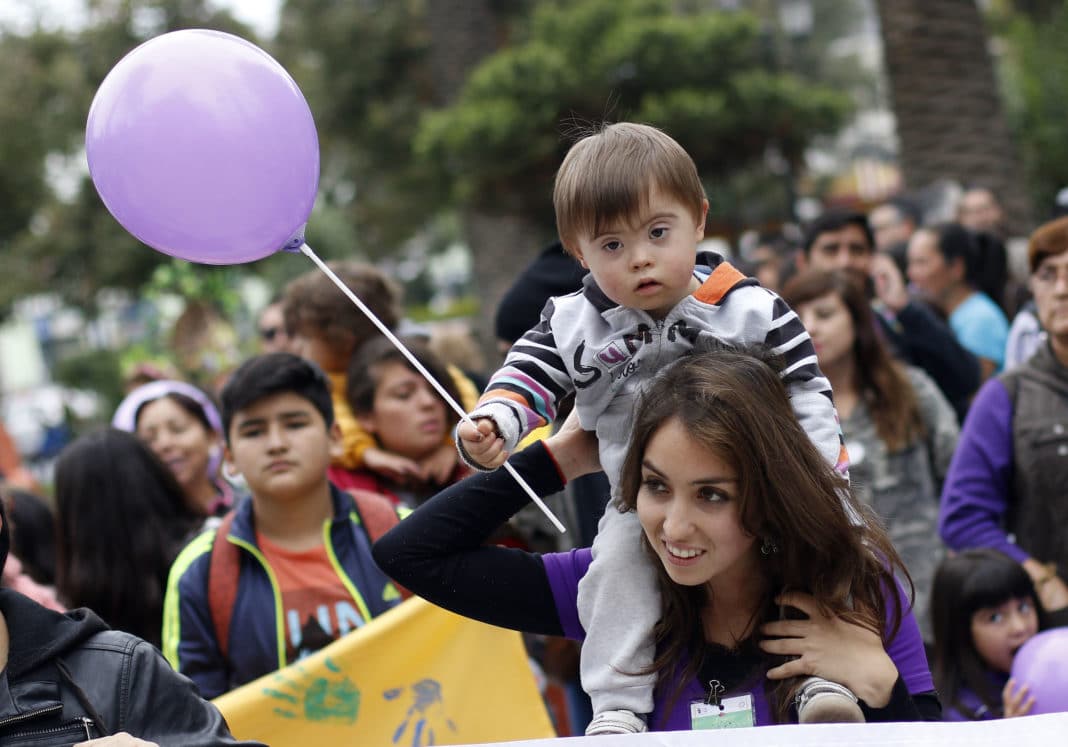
(59, 242)
(1034, 69)
(214, 286)
(94, 370)
(391, 162)
(699, 75)
(362, 67)
(461, 308)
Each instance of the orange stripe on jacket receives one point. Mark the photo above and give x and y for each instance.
(719, 283)
(505, 394)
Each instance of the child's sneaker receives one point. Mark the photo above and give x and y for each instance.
(821, 701)
(615, 722)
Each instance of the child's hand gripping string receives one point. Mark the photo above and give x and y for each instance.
(482, 442)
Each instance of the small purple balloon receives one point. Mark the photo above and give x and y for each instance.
(203, 147)
(1042, 665)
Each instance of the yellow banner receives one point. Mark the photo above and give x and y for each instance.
(415, 676)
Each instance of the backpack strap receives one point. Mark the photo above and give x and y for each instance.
(223, 575)
(378, 516)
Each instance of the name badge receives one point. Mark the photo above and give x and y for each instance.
(730, 713)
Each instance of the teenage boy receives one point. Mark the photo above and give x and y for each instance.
(295, 554)
(631, 209)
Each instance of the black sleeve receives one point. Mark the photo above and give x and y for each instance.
(904, 706)
(438, 551)
(164, 706)
(929, 343)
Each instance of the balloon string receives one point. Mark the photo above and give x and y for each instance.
(308, 252)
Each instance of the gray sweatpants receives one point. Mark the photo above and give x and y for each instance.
(618, 605)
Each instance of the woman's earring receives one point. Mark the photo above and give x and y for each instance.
(229, 473)
(768, 547)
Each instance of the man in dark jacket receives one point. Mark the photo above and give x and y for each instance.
(67, 678)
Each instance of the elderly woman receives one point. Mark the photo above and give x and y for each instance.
(764, 578)
(1005, 486)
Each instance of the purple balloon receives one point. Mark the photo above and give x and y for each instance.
(203, 147)
(1042, 665)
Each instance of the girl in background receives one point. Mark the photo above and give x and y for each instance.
(121, 519)
(900, 431)
(984, 608)
(406, 416)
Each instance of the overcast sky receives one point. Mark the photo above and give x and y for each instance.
(262, 15)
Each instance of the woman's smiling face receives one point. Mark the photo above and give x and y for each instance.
(178, 439)
(688, 509)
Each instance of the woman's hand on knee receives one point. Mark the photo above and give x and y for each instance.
(829, 647)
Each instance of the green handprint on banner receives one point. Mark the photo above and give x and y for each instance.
(333, 698)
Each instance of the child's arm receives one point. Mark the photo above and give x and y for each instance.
(522, 396)
(808, 388)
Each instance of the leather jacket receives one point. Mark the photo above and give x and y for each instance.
(69, 679)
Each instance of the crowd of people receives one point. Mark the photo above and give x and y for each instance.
(810, 483)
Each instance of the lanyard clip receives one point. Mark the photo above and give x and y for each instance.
(715, 689)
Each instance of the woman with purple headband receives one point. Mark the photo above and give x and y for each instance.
(182, 426)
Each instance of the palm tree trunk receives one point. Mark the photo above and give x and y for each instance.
(463, 32)
(945, 97)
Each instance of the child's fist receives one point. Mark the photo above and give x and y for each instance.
(482, 443)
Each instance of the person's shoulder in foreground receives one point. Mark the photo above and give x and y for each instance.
(67, 678)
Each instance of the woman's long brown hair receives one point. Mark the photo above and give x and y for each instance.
(883, 383)
(734, 404)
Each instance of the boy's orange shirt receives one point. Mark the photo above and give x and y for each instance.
(317, 608)
(355, 440)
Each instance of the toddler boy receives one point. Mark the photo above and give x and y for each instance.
(631, 209)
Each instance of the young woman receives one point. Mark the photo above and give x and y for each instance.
(984, 608)
(182, 426)
(406, 416)
(946, 267)
(899, 429)
(121, 519)
(744, 522)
